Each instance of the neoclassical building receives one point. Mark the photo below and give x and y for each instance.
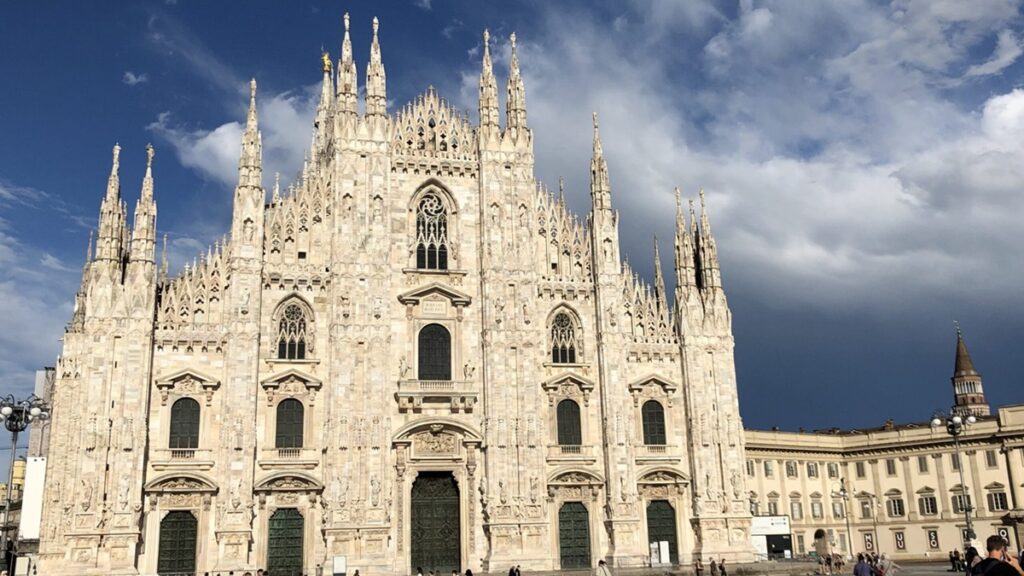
(414, 356)
(907, 487)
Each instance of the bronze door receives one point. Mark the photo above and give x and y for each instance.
(285, 543)
(434, 528)
(574, 535)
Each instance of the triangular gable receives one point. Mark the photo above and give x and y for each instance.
(459, 299)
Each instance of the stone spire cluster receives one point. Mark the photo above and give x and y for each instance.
(699, 294)
(516, 134)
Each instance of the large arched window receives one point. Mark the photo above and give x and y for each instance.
(184, 425)
(435, 353)
(569, 429)
(289, 424)
(292, 332)
(654, 423)
(563, 339)
(432, 247)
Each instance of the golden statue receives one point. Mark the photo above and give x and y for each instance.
(326, 59)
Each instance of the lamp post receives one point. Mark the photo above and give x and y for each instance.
(844, 495)
(955, 425)
(16, 416)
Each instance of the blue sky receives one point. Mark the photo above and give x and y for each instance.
(862, 160)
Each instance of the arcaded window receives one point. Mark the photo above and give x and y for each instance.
(292, 333)
(563, 340)
(654, 423)
(435, 353)
(570, 432)
(290, 415)
(184, 425)
(432, 247)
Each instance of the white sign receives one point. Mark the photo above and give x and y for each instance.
(32, 499)
(666, 556)
(655, 554)
(769, 525)
(340, 566)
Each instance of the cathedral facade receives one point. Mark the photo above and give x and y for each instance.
(415, 356)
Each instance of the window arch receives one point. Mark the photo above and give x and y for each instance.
(290, 417)
(294, 331)
(184, 425)
(653, 416)
(564, 343)
(570, 432)
(432, 244)
(435, 353)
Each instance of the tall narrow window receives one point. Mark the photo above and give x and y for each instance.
(435, 353)
(569, 429)
(431, 233)
(654, 423)
(289, 424)
(563, 340)
(291, 333)
(184, 425)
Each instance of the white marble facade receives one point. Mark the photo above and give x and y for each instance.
(402, 228)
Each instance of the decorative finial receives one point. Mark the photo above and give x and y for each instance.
(702, 203)
(487, 37)
(346, 21)
(117, 157)
(957, 325)
(679, 202)
(252, 89)
(325, 58)
(512, 39)
(595, 120)
(376, 25)
(150, 152)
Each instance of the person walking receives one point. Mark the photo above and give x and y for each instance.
(862, 568)
(721, 568)
(714, 568)
(886, 567)
(698, 567)
(512, 571)
(999, 562)
(602, 569)
(823, 549)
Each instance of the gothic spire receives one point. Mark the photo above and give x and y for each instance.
(515, 119)
(968, 393)
(685, 276)
(114, 180)
(110, 236)
(250, 163)
(347, 83)
(376, 84)
(322, 123)
(143, 247)
(710, 273)
(659, 281)
(600, 187)
(488, 89)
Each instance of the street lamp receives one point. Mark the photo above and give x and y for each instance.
(955, 426)
(844, 495)
(16, 416)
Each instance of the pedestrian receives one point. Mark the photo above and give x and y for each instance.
(698, 567)
(971, 557)
(958, 561)
(999, 562)
(823, 549)
(454, 573)
(512, 571)
(419, 571)
(714, 568)
(469, 572)
(721, 568)
(952, 561)
(356, 573)
(518, 571)
(602, 569)
(862, 568)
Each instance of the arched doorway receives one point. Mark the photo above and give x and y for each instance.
(177, 552)
(661, 527)
(574, 535)
(285, 542)
(434, 527)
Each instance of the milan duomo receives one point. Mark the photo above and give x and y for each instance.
(415, 356)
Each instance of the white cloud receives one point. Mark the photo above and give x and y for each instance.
(1008, 49)
(285, 121)
(454, 26)
(423, 4)
(131, 79)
